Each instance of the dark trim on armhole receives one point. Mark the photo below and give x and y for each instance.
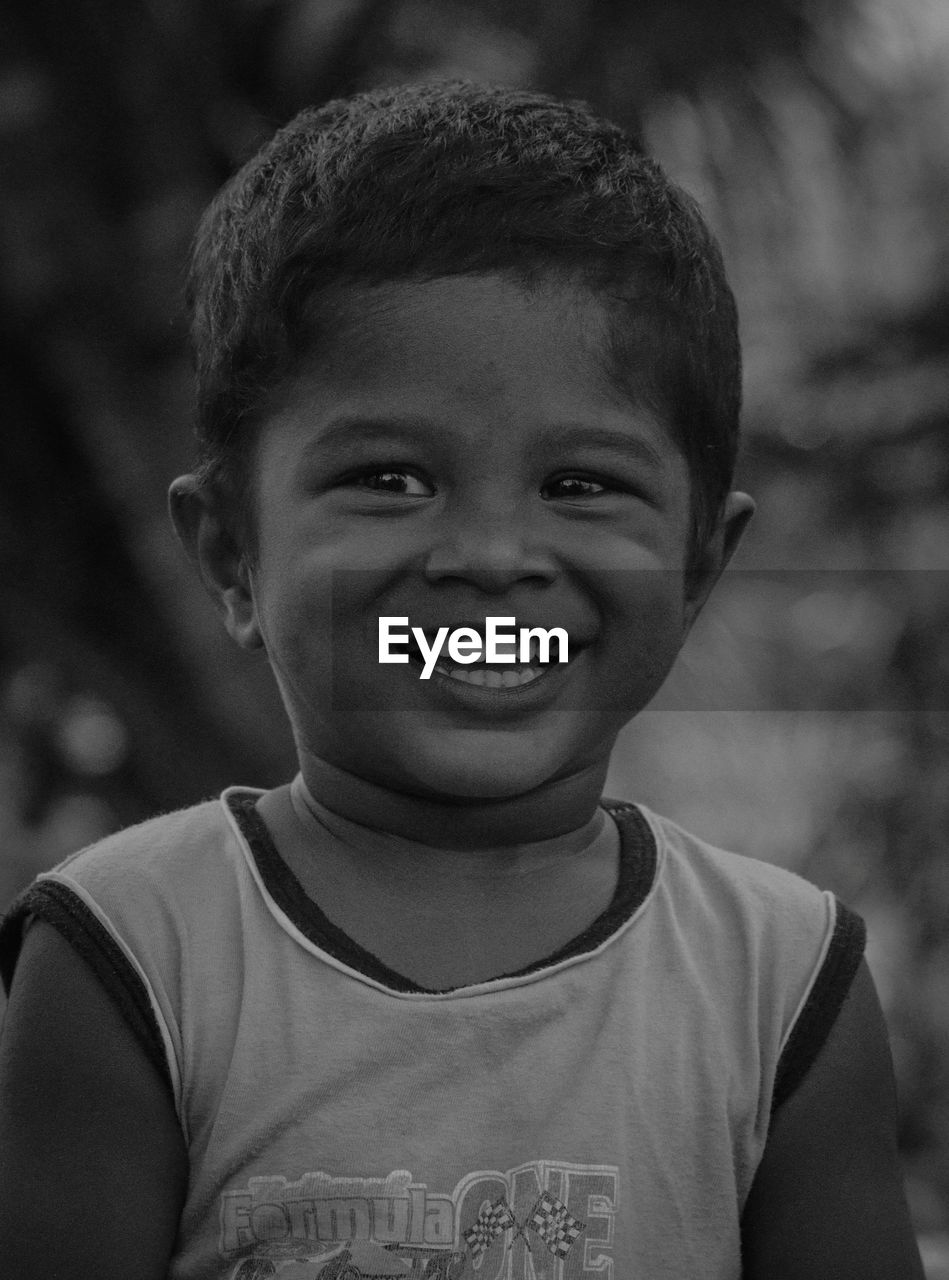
(822, 1005)
(57, 905)
(638, 860)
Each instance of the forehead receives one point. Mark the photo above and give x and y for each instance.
(479, 335)
(482, 358)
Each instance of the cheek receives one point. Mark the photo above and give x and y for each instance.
(321, 625)
(647, 632)
(294, 607)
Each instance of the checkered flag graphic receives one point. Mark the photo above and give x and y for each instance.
(489, 1224)
(555, 1226)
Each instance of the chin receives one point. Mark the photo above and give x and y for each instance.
(482, 770)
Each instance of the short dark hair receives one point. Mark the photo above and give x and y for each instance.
(444, 178)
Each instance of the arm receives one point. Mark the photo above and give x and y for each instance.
(827, 1202)
(93, 1165)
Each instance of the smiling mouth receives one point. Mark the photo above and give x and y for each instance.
(494, 675)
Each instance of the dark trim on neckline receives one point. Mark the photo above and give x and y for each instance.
(637, 872)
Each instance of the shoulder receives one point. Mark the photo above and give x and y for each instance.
(132, 870)
(127, 907)
(796, 947)
(159, 868)
(150, 846)
(771, 915)
(701, 865)
(124, 865)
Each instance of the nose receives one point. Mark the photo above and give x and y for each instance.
(491, 546)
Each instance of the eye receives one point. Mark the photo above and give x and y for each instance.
(573, 487)
(391, 480)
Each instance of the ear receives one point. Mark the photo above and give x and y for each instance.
(209, 541)
(737, 510)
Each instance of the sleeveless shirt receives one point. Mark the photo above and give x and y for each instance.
(602, 1112)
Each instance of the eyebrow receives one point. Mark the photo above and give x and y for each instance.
(356, 428)
(571, 436)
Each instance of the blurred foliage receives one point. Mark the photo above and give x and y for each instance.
(807, 721)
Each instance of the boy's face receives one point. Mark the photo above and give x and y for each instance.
(455, 453)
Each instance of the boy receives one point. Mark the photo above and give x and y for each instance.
(466, 360)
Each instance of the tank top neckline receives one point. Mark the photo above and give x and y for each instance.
(637, 872)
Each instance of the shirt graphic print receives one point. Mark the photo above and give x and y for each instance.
(545, 1220)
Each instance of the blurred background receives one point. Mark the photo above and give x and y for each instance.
(807, 722)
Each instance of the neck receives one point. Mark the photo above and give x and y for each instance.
(561, 806)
